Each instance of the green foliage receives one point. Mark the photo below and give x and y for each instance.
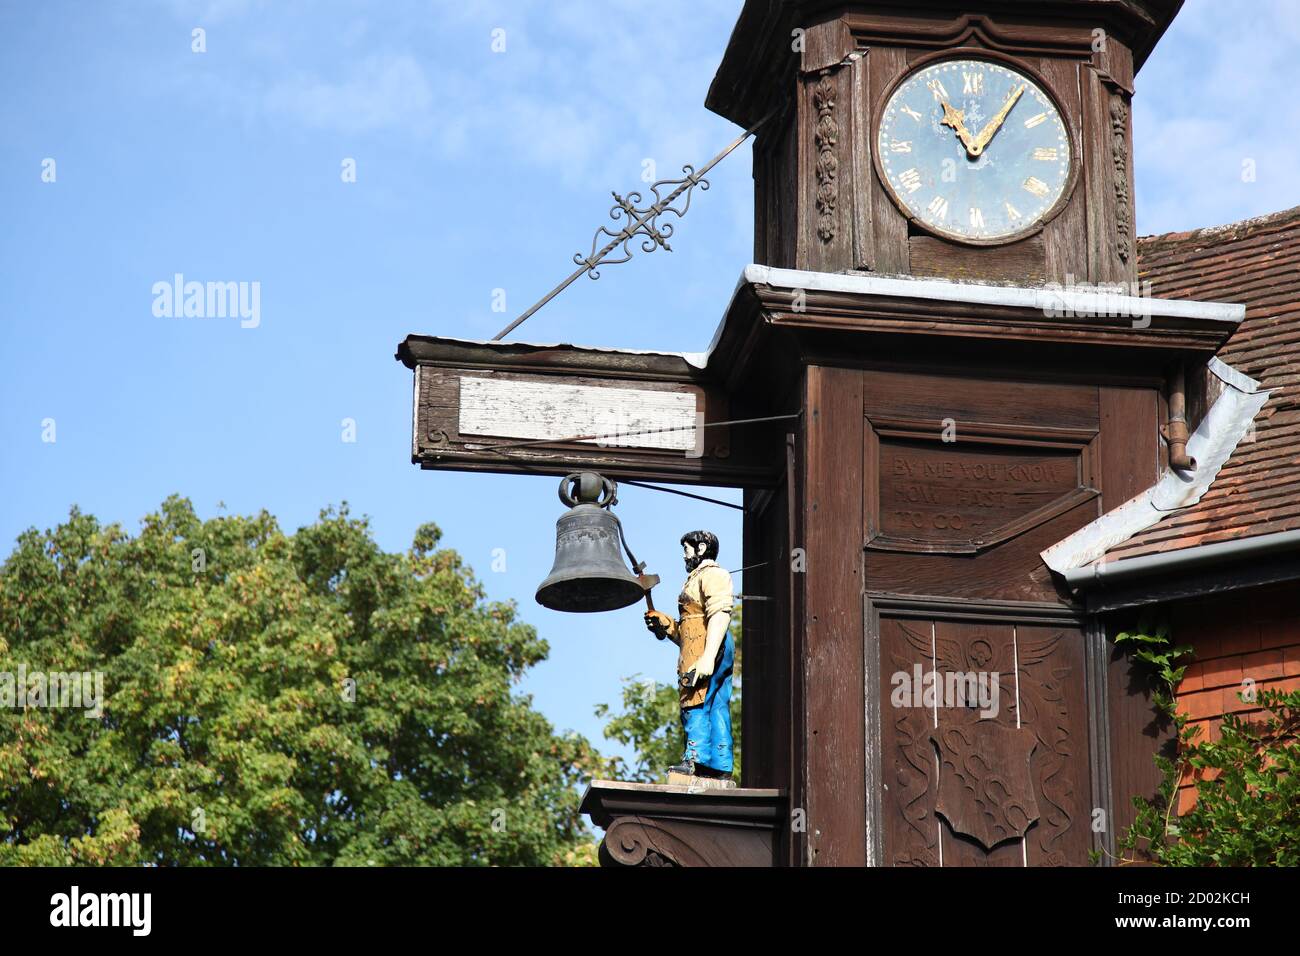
(1150, 644)
(651, 724)
(230, 734)
(1247, 810)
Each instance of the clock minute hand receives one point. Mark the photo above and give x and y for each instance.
(995, 124)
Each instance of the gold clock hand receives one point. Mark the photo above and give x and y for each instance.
(995, 124)
(957, 120)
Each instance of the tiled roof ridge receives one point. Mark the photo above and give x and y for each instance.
(1228, 232)
(1256, 491)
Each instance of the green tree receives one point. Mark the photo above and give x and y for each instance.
(650, 723)
(274, 699)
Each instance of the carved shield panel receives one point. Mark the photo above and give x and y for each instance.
(985, 788)
(961, 787)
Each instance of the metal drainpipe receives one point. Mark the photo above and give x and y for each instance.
(1176, 431)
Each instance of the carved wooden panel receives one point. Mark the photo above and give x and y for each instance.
(1053, 702)
(909, 764)
(997, 776)
(966, 477)
(1022, 263)
(936, 494)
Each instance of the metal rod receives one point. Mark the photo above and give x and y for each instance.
(541, 302)
(650, 431)
(684, 494)
(638, 221)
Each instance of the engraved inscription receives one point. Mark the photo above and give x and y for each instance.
(934, 493)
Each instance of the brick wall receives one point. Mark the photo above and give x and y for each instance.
(1251, 634)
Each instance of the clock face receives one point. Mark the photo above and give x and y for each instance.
(974, 150)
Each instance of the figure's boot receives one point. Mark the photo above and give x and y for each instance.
(690, 773)
(685, 768)
(704, 770)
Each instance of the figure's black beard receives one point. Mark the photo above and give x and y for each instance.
(692, 563)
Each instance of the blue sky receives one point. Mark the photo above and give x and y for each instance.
(476, 171)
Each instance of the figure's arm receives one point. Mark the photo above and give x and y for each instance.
(716, 591)
(661, 625)
(717, 625)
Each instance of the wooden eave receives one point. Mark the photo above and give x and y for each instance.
(763, 331)
(861, 311)
(449, 352)
(757, 62)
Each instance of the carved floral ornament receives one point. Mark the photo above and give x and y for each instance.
(1119, 113)
(826, 137)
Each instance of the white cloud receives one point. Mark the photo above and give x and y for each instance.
(1210, 101)
(378, 92)
(585, 97)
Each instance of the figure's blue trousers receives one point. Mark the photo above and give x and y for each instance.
(708, 725)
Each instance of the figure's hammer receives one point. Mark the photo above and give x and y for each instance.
(647, 581)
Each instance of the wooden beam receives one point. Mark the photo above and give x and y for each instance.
(833, 617)
(552, 410)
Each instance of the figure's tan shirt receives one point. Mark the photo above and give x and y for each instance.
(709, 586)
(707, 592)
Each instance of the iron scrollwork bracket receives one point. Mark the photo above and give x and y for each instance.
(637, 220)
(640, 221)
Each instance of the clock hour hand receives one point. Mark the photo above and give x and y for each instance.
(957, 120)
(990, 129)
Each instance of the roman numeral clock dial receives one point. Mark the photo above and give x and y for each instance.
(974, 150)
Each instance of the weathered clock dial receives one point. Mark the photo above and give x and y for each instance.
(974, 150)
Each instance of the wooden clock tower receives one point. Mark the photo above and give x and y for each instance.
(938, 187)
(822, 202)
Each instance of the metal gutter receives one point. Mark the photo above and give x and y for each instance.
(1104, 573)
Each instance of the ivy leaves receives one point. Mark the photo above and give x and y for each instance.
(1247, 809)
(1150, 644)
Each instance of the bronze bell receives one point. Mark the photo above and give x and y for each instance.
(589, 573)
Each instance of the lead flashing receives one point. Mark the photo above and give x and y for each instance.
(1050, 300)
(1211, 445)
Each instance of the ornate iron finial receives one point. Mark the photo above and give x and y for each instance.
(637, 221)
(641, 222)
